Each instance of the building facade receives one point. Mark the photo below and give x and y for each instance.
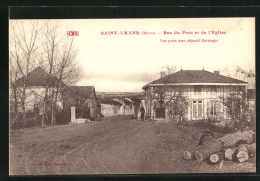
(83, 98)
(195, 94)
(36, 83)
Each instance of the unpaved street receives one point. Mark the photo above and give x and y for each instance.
(115, 145)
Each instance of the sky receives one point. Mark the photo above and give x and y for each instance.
(122, 63)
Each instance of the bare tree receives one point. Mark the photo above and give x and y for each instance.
(177, 103)
(60, 61)
(171, 98)
(13, 77)
(246, 75)
(67, 72)
(50, 54)
(169, 69)
(23, 49)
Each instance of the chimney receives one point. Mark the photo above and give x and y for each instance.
(163, 74)
(216, 72)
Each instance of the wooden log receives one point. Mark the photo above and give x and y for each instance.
(206, 150)
(242, 153)
(251, 149)
(189, 154)
(230, 140)
(205, 137)
(229, 153)
(216, 158)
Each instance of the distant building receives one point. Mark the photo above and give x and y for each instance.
(83, 98)
(118, 103)
(109, 107)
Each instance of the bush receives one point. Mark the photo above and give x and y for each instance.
(63, 116)
(33, 120)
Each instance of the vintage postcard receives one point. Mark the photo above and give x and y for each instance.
(132, 96)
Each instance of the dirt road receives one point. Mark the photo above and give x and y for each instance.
(116, 145)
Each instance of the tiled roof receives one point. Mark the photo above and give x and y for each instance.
(109, 101)
(195, 76)
(38, 77)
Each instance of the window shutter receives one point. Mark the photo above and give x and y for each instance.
(218, 107)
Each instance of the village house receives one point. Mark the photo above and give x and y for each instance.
(202, 91)
(83, 102)
(110, 107)
(115, 107)
(79, 100)
(128, 106)
(118, 103)
(36, 83)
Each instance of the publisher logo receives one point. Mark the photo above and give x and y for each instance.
(72, 33)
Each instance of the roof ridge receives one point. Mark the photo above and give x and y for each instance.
(37, 77)
(195, 76)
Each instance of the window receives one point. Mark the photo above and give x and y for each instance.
(197, 109)
(213, 110)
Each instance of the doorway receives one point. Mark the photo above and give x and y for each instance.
(197, 109)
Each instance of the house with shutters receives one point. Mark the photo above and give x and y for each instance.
(203, 91)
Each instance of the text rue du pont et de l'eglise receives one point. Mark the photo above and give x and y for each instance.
(178, 38)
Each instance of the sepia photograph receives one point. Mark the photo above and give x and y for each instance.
(132, 96)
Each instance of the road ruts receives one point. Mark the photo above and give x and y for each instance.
(93, 155)
(51, 152)
(104, 147)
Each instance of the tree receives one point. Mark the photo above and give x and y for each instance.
(237, 108)
(60, 61)
(171, 98)
(236, 102)
(246, 75)
(23, 50)
(169, 69)
(67, 72)
(41, 44)
(168, 97)
(13, 77)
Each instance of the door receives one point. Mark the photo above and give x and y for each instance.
(197, 110)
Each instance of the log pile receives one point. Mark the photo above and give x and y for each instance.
(239, 146)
